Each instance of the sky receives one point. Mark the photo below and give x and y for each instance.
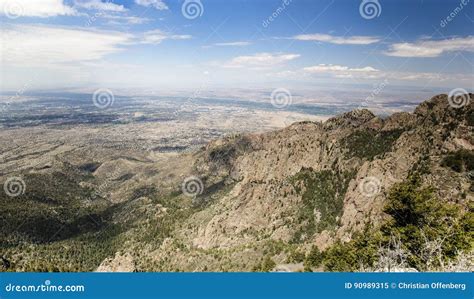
(179, 44)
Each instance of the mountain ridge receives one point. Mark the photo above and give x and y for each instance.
(275, 195)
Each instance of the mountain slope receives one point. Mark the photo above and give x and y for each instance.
(260, 198)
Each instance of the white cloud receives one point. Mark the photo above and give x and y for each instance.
(339, 40)
(157, 36)
(260, 60)
(337, 68)
(232, 44)
(370, 73)
(119, 19)
(341, 71)
(36, 8)
(158, 4)
(431, 48)
(99, 5)
(44, 46)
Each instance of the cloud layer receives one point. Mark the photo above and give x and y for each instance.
(99, 5)
(431, 48)
(232, 44)
(36, 8)
(43, 45)
(158, 4)
(40, 45)
(340, 71)
(338, 40)
(157, 36)
(260, 60)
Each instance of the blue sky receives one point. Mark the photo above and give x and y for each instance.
(50, 44)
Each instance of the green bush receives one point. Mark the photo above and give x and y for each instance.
(351, 256)
(366, 144)
(417, 217)
(265, 266)
(313, 259)
(323, 192)
(296, 256)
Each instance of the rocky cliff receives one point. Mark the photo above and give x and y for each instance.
(277, 195)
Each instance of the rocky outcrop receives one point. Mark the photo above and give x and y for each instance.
(119, 263)
(264, 200)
